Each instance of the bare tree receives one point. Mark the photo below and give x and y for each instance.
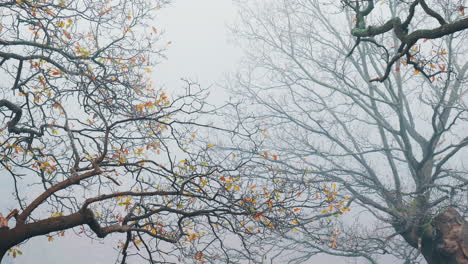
(90, 145)
(394, 149)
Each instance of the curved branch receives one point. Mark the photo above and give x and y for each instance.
(12, 125)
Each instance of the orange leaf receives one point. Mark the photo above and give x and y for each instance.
(67, 34)
(334, 244)
(192, 237)
(199, 256)
(48, 11)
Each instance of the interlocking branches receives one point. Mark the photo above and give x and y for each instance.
(402, 28)
(104, 150)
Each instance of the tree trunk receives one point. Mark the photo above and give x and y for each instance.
(449, 242)
(2, 253)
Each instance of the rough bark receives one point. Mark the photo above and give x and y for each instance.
(21, 232)
(445, 242)
(2, 253)
(451, 237)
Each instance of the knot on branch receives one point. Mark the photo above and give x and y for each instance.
(13, 123)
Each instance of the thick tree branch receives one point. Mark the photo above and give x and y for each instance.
(12, 125)
(74, 179)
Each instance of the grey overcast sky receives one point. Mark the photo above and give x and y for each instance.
(200, 49)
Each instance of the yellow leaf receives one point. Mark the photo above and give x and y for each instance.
(56, 214)
(416, 72)
(148, 70)
(270, 225)
(210, 145)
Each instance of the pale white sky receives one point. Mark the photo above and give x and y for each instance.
(200, 49)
